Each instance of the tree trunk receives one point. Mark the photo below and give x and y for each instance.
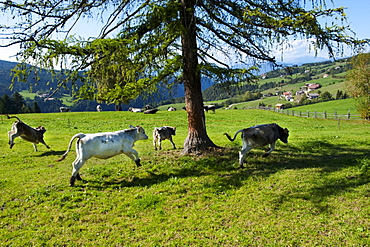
(197, 139)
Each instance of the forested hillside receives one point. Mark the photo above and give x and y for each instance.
(285, 86)
(42, 85)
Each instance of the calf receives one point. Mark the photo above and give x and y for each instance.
(103, 146)
(258, 136)
(99, 108)
(25, 132)
(171, 108)
(163, 133)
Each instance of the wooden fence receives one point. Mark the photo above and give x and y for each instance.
(315, 114)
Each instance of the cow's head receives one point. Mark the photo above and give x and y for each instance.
(141, 132)
(173, 130)
(41, 129)
(284, 135)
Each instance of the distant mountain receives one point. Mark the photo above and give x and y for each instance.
(43, 82)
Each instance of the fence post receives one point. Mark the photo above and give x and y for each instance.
(315, 114)
(308, 114)
(292, 112)
(349, 114)
(300, 113)
(325, 115)
(335, 115)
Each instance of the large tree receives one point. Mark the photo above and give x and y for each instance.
(146, 42)
(358, 83)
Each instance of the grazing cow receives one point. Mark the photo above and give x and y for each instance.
(64, 109)
(34, 135)
(209, 107)
(99, 108)
(171, 108)
(258, 136)
(151, 111)
(132, 109)
(103, 146)
(163, 133)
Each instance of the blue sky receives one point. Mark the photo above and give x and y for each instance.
(357, 13)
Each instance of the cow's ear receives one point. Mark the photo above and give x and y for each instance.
(132, 127)
(286, 131)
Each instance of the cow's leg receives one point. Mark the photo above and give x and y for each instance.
(76, 166)
(160, 143)
(173, 144)
(12, 136)
(272, 147)
(155, 142)
(34, 147)
(132, 154)
(243, 153)
(43, 142)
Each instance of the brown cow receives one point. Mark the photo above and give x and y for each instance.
(22, 130)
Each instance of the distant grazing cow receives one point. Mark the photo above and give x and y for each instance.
(34, 135)
(151, 111)
(171, 108)
(64, 109)
(132, 109)
(103, 146)
(147, 107)
(259, 136)
(99, 108)
(210, 107)
(163, 133)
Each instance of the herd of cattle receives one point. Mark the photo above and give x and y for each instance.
(108, 144)
(146, 109)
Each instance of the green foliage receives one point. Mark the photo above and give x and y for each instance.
(358, 83)
(139, 44)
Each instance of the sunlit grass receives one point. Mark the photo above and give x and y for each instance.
(309, 192)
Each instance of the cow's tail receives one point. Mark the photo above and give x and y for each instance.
(79, 136)
(9, 117)
(229, 137)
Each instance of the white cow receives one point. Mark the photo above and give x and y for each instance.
(99, 108)
(103, 146)
(132, 109)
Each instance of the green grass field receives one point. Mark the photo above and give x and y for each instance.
(309, 192)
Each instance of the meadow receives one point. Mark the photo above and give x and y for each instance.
(309, 192)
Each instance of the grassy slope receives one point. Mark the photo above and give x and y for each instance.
(306, 193)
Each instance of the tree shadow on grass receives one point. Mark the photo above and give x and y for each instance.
(224, 164)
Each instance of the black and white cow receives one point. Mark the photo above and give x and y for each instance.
(163, 133)
(27, 133)
(151, 111)
(104, 146)
(64, 109)
(209, 108)
(99, 108)
(259, 136)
